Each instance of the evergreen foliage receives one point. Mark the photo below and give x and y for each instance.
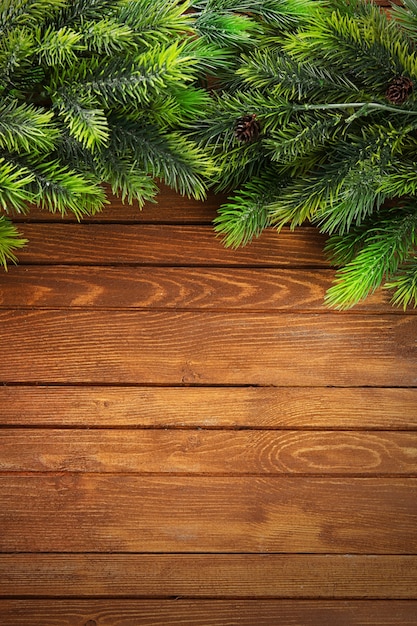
(334, 89)
(96, 91)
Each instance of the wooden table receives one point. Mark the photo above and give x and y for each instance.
(189, 437)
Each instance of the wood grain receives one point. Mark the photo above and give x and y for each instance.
(208, 576)
(130, 513)
(174, 288)
(208, 452)
(197, 348)
(170, 208)
(209, 407)
(148, 244)
(177, 612)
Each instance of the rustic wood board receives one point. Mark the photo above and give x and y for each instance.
(188, 436)
(169, 208)
(75, 512)
(208, 576)
(217, 348)
(209, 452)
(150, 244)
(174, 288)
(302, 408)
(177, 612)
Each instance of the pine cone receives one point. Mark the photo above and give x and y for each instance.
(247, 128)
(399, 89)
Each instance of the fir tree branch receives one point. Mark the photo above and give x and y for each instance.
(16, 47)
(168, 156)
(26, 128)
(388, 243)
(227, 29)
(127, 179)
(405, 284)
(364, 107)
(283, 14)
(57, 47)
(61, 190)
(14, 182)
(87, 124)
(10, 241)
(28, 12)
(246, 214)
(107, 36)
(156, 22)
(362, 43)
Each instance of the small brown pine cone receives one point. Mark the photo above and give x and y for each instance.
(399, 89)
(247, 128)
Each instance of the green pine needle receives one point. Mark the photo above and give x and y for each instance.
(57, 47)
(14, 183)
(383, 249)
(87, 124)
(61, 190)
(25, 128)
(10, 241)
(246, 214)
(405, 284)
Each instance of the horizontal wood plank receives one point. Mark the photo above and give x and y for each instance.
(387, 3)
(130, 513)
(212, 576)
(147, 244)
(169, 208)
(177, 612)
(172, 287)
(208, 452)
(209, 407)
(201, 348)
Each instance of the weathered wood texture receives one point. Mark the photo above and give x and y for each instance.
(76, 512)
(177, 612)
(188, 436)
(209, 576)
(210, 452)
(301, 408)
(150, 244)
(170, 209)
(236, 348)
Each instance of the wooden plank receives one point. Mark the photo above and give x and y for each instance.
(200, 348)
(172, 287)
(209, 407)
(387, 3)
(149, 244)
(177, 612)
(169, 208)
(208, 576)
(129, 513)
(209, 452)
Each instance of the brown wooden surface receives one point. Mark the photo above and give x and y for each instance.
(197, 288)
(265, 576)
(178, 612)
(154, 451)
(150, 244)
(236, 348)
(169, 208)
(76, 512)
(188, 436)
(359, 409)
